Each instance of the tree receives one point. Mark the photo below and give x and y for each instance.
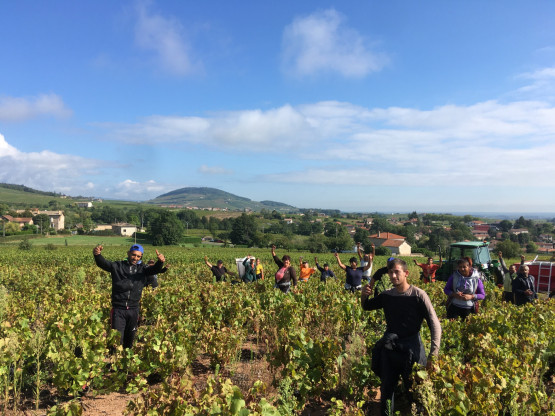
(243, 231)
(505, 225)
(11, 228)
(88, 225)
(383, 251)
(317, 243)
(166, 229)
(361, 236)
(510, 249)
(342, 241)
(523, 239)
(413, 215)
(523, 223)
(531, 247)
(42, 221)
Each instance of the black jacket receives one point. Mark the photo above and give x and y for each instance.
(128, 280)
(520, 285)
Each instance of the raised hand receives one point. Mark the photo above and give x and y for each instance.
(160, 256)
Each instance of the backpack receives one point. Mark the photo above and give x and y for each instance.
(280, 273)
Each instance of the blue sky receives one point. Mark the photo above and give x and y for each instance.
(434, 106)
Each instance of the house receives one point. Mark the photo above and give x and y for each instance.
(57, 219)
(396, 243)
(85, 204)
(544, 247)
(480, 235)
(517, 231)
(22, 222)
(124, 229)
(483, 228)
(398, 247)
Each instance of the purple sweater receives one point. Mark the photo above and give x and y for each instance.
(467, 285)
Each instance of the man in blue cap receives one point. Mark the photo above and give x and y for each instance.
(129, 277)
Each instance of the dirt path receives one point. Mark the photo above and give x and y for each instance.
(112, 404)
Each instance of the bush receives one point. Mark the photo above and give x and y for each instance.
(383, 251)
(25, 245)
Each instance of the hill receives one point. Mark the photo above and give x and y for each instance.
(215, 198)
(24, 196)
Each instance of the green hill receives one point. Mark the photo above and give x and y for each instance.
(24, 196)
(214, 198)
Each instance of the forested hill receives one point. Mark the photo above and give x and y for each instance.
(216, 198)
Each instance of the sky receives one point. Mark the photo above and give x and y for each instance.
(401, 106)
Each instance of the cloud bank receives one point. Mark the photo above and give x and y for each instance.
(18, 109)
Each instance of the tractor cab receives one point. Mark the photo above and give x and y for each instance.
(478, 251)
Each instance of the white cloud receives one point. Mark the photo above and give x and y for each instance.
(542, 84)
(45, 170)
(214, 170)
(321, 42)
(130, 189)
(165, 38)
(259, 130)
(490, 143)
(21, 109)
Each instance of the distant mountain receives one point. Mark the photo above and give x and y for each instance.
(216, 198)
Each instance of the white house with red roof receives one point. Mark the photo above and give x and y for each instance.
(396, 243)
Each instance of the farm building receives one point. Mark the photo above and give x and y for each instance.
(20, 221)
(124, 229)
(57, 219)
(396, 243)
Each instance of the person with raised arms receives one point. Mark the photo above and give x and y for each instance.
(129, 277)
(366, 258)
(219, 271)
(353, 274)
(286, 274)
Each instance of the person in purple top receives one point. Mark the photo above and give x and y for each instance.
(353, 274)
(463, 288)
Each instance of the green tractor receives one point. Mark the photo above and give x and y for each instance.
(478, 251)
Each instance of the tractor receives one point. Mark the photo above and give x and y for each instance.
(478, 251)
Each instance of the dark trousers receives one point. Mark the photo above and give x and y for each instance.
(125, 322)
(456, 312)
(393, 365)
(508, 297)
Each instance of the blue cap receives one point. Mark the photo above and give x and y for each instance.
(391, 258)
(137, 247)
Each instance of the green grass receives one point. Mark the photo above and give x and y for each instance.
(29, 199)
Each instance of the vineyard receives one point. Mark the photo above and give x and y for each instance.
(259, 352)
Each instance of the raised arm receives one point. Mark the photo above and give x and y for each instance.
(100, 260)
(359, 251)
(502, 262)
(440, 260)
(371, 260)
(339, 261)
(207, 262)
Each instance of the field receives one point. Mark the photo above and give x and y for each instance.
(207, 348)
